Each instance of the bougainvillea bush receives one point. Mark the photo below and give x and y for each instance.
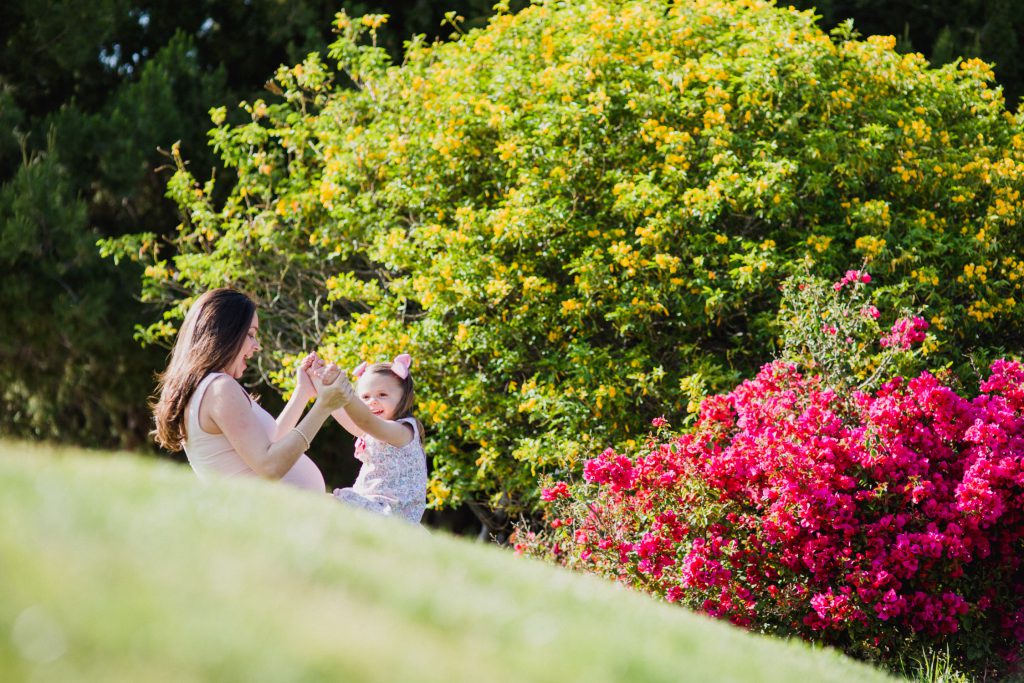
(878, 520)
(577, 214)
(899, 526)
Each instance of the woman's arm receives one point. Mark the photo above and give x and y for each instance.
(290, 415)
(228, 407)
(304, 391)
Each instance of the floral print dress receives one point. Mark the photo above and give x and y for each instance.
(392, 480)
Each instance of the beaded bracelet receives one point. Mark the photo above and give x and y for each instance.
(304, 437)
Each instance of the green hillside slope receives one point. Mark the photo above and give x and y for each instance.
(115, 568)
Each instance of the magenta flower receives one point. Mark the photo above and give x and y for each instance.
(559, 490)
(870, 312)
(906, 332)
(852, 276)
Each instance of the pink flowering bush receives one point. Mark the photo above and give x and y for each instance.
(876, 516)
(899, 527)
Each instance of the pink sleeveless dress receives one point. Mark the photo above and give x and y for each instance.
(392, 480)
(212, 455)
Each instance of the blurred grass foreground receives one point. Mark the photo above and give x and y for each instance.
(117, 568)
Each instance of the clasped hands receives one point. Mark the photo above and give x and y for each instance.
(326, 381)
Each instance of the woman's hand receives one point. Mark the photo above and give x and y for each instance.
(304, 387)
(333, 388)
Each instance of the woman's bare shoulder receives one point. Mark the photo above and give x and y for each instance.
(226, 388)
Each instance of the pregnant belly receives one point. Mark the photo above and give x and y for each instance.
(305, 475)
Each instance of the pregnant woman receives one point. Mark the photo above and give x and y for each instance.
(203, 410)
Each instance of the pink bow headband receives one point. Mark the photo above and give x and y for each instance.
(399, 366)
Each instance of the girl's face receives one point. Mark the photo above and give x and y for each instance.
(381, 392)
(250, 345)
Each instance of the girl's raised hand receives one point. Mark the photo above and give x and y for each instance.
(316, 373)
(316, 370)
(333, 388)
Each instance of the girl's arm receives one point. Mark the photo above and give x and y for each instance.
(316, 367)
(304, 391)
(365, 422)
(357, 419)
(227, 406)
(342, 418)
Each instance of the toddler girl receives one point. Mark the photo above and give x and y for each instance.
(389, 441)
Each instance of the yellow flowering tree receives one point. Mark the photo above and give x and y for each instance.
(578, 217)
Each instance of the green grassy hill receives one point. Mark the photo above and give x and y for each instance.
(116, 568)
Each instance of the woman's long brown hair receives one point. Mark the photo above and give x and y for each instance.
(209, 339)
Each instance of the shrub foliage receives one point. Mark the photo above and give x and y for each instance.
(582, 213)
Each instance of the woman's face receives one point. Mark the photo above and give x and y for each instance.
(250, 345)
